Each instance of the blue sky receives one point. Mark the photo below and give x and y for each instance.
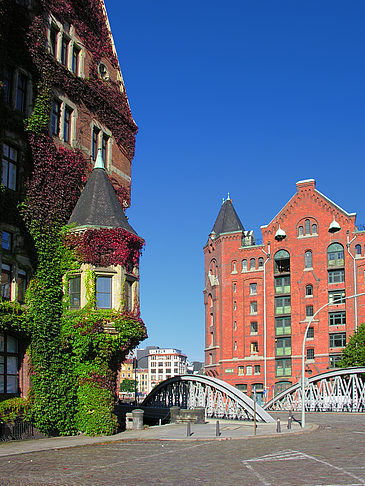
(246, 97)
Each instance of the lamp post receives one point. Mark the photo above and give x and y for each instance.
(303, 349)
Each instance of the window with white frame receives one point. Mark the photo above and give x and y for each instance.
(253, 308)
(309, 290)
(100, 138)
(63, 120)
(308, 259)
(103, 292)
(253, 288)
(254, 347)
(65, 47)
(17, 88)
(253, 328)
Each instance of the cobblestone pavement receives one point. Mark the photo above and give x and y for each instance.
(331, 455)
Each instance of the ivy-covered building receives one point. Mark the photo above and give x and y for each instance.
(69, 307)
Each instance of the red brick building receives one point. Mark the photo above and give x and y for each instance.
(259, 298)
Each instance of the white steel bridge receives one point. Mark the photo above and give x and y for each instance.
(338, 390)
(219, 399)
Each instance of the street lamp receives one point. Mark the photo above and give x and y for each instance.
(303, 350)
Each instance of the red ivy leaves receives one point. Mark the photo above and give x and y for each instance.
(103, 98)
(104, 247)
(90, 22)
(55, 185)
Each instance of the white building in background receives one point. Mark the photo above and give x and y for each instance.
(165, 363)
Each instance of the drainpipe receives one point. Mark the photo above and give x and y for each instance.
(265, 348)
(354, 271)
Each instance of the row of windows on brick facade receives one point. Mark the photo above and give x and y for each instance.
(335, 257)
(64, 46)
(244, 268)
(62, 120)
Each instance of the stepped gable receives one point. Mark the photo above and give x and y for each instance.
(227, 220)
(98, 205)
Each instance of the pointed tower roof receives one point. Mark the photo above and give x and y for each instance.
(227, 220)
(98, 205)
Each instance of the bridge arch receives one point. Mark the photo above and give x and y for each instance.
(338, 390)
(219, 399)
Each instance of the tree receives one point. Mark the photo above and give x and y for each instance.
(354, 352)
(127, 385)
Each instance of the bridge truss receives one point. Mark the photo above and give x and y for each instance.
(338, 390)
(219, 399)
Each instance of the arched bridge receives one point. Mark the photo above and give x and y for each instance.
(338, 390)
(219, 399)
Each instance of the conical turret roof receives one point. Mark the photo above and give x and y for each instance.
(98, 205)
(227, 220)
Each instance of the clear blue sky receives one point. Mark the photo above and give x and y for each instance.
(241, 96)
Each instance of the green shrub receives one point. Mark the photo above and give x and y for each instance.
(14, 409)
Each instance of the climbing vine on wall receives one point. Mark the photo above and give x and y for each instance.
(74, 355)
(104, 247)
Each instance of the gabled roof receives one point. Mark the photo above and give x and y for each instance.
(227, 220)
(309, 183)
(98, 205)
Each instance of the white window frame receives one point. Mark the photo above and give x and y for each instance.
(65, 102)
(69, 32)
(103, 131)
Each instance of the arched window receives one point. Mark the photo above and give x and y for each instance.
(309, 311)
(234, 266)
(300, 231)
(308, 290)
(282, 262)
(252, 264)
(210, 300)
(358, 250)
(244, 265)
(335, 255)
(307, 227)
(308, 259)
(314, 229)
(260, 262)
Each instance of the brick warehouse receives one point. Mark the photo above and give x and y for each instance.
(259, 297)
